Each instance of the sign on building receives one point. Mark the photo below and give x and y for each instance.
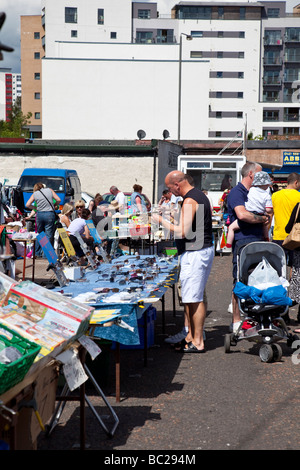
(291, 158)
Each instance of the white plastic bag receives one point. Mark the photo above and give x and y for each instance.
(264, 276)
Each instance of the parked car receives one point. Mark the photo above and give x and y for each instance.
(108, 197)
(87, 198)
(65, 183)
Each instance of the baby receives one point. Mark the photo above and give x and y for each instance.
(259, 202)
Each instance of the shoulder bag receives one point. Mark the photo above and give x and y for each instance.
(292, 241)
(57, 219)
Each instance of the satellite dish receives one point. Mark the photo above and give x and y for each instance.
(166, 134)
(141, 134)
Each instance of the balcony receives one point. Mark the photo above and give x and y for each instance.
(294, 117)
(270, 41)
(273, 61)
(292, 38)
(272, 81)
(292, 58)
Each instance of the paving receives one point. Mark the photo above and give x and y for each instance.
(211, 401)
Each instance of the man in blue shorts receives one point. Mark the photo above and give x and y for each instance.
(251, 225)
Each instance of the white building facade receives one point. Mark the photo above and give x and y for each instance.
(109, 72)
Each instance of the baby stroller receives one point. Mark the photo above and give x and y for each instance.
(263, 323)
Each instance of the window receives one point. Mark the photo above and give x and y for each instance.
(219, 114)
(100, 16)
(219, 94)
(37, 55)
(74, 33)
(144, 14)
(197, 34)
(37, 115)
(240, 74)
(36, 35)
(196, 54)
(220, 55)
(220, 12)
(37, 76)
(270, 96)
(241, 34)
(37, 96)
(273, 12)
(272, 77)
(144, 37)
(70, 15)
(113, 35)
(242, 13)
(239, 114)
(219, 74)
(271, 115)
(165, 36)
(240, 94)
(291, 130)
(241, 55)
(272, 38)
(194, 12)
(220, 34)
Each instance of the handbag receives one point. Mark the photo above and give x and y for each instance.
(57, 219)
(292, 241)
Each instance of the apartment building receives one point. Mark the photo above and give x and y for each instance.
(32, 52)
(205, 71)
(281, 70)
(10, 90)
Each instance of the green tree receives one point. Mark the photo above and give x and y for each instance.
(16, 124)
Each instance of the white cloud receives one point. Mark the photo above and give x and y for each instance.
(10, 32)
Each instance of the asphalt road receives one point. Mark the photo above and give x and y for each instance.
(212, 401)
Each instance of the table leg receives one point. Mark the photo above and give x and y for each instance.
(24, 261)
(33, 261)
(117, 361)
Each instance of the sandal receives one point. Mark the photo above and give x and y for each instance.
(180, 345)
(191, 348)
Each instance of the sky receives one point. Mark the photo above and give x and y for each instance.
(14, 9)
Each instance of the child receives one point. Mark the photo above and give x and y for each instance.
(259, 202)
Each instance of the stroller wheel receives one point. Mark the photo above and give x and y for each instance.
(277, 352)
(266, 353)
(291, 339)
(227, 343)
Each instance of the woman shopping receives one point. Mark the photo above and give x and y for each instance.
(45, 217)
(294, 288)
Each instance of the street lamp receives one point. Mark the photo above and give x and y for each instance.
(189, 38)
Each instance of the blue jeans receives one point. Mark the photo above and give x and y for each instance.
(45, 222)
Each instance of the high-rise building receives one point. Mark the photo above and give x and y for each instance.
(203, 71)
(32, 52)
(10, 90)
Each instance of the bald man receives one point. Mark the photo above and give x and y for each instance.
(193, 236)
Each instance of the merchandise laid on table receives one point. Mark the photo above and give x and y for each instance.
(130, 283)
(44, 332)
(37, 325)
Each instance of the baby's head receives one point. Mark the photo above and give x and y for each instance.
(262, 180)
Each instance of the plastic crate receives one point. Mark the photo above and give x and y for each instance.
(170, 251)
(139, 230)
(151, 317)
(13, 373)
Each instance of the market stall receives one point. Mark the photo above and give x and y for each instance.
(36, 326)
(58, 320)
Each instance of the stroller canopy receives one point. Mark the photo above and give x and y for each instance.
(252, 254)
